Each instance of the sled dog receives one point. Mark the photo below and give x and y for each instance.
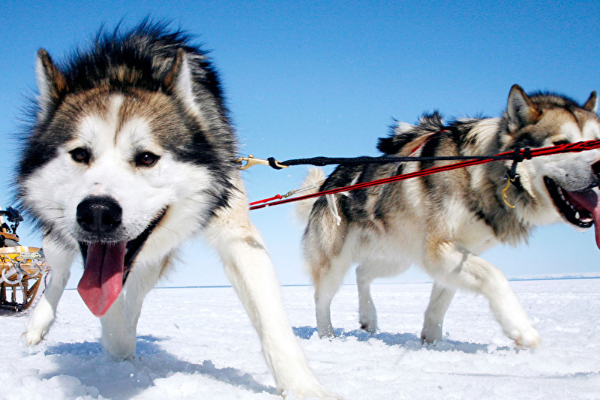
(443, 222)
(130, 153)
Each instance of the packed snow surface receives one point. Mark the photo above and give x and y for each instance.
(198, 343)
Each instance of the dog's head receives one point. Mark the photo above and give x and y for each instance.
(562, 182)
(127, 158)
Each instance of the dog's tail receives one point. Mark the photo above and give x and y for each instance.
(311, 184)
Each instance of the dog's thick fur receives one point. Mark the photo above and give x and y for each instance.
(131, 150)
(443, 222)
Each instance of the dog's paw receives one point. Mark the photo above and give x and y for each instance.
(300, 382)
(368, 324)
(39, 323)
(34, 335)
(525, 338)
(431, 334)
(326, 334)
(365, 326)
(367, 317)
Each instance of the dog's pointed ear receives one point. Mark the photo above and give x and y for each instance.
(520, 111)
(177, 72)
(592, 103)
(51, 82)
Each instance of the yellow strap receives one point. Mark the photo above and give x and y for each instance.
(504, 196)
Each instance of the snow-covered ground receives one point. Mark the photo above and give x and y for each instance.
(199, 344)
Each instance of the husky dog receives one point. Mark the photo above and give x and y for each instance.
(131, 152)
(443, 222)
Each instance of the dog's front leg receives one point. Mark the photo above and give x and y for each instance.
(451, 264)
(59, 259)
(119, 324)
(366, 273)
(249, 269)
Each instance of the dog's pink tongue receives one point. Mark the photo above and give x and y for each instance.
(102, 278)
(589, 201)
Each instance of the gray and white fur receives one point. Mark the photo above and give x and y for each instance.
(443, 222)
(129, 153)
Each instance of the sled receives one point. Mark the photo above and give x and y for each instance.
(22, 268)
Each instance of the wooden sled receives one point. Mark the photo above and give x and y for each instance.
(22, 268)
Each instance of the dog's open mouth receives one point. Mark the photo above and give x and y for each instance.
(580, 209)
(107, 265)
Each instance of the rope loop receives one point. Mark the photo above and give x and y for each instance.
(273, 163)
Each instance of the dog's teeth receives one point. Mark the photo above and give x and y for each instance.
(577, 215)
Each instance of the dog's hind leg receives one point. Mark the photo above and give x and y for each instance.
(327, 283)
(59, 259)
(451, 264)
(441, 297)
(248, 266)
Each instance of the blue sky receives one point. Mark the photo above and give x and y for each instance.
(327, 78)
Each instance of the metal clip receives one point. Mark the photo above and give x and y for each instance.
(251, 161)
(289, 194)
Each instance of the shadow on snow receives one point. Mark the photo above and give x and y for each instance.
(88, 362)
(406, 340)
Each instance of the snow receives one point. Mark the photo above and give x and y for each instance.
(198, 343)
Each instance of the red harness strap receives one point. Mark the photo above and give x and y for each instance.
(544, 151)
(276, 197)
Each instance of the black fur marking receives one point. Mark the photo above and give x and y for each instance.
(429, 123)
(395, 143)
(399, 169)
(430, 149)
(526, 139)
(354, 206)
(42, 147)
(548, 100)
(147, 50)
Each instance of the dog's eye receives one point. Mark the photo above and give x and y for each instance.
(560, 142)
(80, 155)
(146, 159)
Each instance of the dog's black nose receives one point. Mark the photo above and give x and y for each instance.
(99, 214)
